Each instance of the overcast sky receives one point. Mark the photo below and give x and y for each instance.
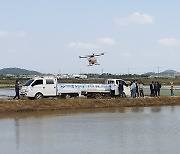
(49, 35)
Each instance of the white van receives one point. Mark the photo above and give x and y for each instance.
(40, 87)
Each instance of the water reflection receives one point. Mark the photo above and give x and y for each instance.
(67, 112)
(5, 93)
(137, 109)
(63, 112)
(172, 108)
(155, 109)
(17, 131)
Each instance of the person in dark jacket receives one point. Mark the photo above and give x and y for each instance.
(152, 89)
(137, 89)
(156, 89)
(121, 89)
(17, 89)
(159, 88)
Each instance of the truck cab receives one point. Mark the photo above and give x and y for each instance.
(40, 87)
(127, 91)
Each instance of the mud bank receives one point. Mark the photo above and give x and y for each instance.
(58, 104)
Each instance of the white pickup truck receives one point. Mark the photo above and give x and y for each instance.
(40, 87)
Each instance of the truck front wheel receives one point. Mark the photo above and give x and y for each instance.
(38, 96)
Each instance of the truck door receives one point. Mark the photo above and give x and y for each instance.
(125, 86)
(37, 86)
(117, 87)
(50, 88)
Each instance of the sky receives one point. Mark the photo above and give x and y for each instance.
(49, 35)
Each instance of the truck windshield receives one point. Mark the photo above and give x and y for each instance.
(28, 82)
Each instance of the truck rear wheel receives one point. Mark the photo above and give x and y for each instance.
(98, 96)
(39, 96)
(67, 96)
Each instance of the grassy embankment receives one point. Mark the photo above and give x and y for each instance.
(59, 104)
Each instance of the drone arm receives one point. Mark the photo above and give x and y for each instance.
(82, 57)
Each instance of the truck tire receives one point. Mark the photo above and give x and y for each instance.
(98, 96)
(67, 96)
(39, 96)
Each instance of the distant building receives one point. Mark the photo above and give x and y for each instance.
(71, 76)
(177, 75)
(80, 76)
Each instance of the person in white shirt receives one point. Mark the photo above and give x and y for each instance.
(112, 87)
(133, 89)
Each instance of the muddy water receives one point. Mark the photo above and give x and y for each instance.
(144, 130)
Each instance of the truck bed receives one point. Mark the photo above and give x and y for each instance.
(73, 87)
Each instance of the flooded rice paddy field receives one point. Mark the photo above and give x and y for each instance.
(7, 92)
(139, 130)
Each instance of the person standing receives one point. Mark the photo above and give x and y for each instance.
(159, 88)
(156, 89)
(137, 88)
(152, 89)
(121, 89)
(17, 89)
(133, 89)
(172, 89)
(141, 87)
(112, 88)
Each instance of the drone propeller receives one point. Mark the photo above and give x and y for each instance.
(92, 55)
(100, 54)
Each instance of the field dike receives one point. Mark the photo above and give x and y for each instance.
(58, 104)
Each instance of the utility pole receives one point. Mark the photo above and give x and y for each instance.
(158, 71)
(128, 70)
(102, 71)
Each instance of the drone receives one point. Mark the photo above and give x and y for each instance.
(92, 59)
